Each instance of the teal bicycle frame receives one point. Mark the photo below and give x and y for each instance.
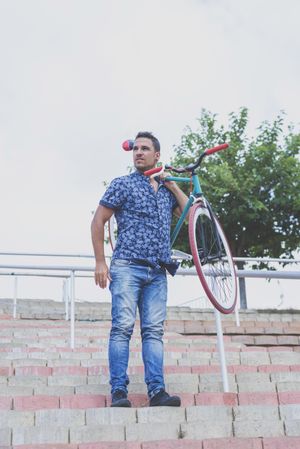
(196, 193)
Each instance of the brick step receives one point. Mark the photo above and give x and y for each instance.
(47, 309)
(211, 373)
(214, 443)
(50, 394)
(183, 383)
(145, 424)
(16, 398)
(86, 359)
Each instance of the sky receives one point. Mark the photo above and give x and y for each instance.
(78, 77)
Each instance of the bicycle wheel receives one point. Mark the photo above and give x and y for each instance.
(212, 258)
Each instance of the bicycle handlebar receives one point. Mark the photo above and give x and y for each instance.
(127, 145)
(215, 149)
(154, 170)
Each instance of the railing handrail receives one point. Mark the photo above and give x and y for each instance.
(90, 256)
(277, 274)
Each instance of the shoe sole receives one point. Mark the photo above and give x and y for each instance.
(121, 403)
(172, 402)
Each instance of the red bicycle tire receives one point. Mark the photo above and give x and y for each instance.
(200, 270)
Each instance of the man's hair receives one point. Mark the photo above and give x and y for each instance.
(148, 135)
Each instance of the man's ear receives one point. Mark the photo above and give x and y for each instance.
(157, 156)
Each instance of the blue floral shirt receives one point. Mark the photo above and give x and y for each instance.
(144, 220)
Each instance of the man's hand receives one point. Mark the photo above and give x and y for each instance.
(102, 274)
(171, 185)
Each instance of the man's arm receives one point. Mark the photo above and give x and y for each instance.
(180, 196)
(102, 215)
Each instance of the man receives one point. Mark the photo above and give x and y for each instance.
(143, 209)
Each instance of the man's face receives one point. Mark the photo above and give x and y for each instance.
(144, 155)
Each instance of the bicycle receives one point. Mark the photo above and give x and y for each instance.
(209, 247)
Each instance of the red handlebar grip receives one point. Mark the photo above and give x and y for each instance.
(152, 171)
(215, 149)
(128, 145)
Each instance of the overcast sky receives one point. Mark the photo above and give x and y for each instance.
(80, 76)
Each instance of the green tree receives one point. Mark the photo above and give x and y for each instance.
(253, 186)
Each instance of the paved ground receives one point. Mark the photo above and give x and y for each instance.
(55, 397)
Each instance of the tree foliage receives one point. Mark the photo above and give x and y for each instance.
(253, 186)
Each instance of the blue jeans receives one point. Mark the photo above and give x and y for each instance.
(144, 287)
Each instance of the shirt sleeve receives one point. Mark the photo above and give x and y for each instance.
(115, 195)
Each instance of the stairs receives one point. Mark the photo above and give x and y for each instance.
(55, 397)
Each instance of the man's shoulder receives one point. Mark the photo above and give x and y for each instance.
(125, 179)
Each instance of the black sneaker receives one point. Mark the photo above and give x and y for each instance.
(162, 398)
(119, 399)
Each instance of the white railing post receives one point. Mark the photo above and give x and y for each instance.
(72, 317)
(15, 296)
(237, 306)
(221, 351)
(66, 298)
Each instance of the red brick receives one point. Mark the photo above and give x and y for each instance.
(258, 398)
(5, 403)
(36, 349)
(187, 399)
(216, 399)
(170, 369)
(88, 350)
(97, 370)
(47, 446)
(63, 349)
(139, 400)
(280, 349)
(70, 370)
(240, 330)
(82, 401)
(174, 326)
(6, 371)
(111, 445)
(33, 371)
(210, 330)
(295, 367)
(281, 443)
(229, 348)
(38, 402)
(136, 399)
(173, 444)
(203, 369)
(266, 340)
(273, 368)
(232, 443)
(236, 369)
(254, 349)
(289, 397)
(194, 327)
(257, 330)
(274, 330)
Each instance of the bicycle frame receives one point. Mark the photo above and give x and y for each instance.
(196, 193)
